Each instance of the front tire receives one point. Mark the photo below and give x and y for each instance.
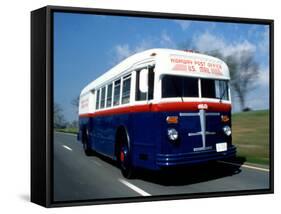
(125, 159)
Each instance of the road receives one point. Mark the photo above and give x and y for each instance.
(78, 177)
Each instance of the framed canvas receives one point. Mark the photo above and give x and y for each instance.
(130, 106)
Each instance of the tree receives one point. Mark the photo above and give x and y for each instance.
(75, 102)
(244, 74)
(74, 124)
(59, 120)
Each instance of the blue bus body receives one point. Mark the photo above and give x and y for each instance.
(150, 146)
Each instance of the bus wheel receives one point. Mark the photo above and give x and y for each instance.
(125, 160)
(87, 149)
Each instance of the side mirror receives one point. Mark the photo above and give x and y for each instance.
(143, 81)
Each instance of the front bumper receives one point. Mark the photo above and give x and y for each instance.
(165, 160)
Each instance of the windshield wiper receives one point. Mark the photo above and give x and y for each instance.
(223, 93)
(177, 89)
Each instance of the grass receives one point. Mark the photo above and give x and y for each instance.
(251, 135)
(68, 130)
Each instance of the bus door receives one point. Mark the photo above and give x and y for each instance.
(144, 122)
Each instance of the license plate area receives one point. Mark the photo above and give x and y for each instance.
(221, 147)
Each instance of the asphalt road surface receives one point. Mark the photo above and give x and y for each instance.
(78, 177)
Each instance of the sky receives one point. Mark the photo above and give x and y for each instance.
(86, 46)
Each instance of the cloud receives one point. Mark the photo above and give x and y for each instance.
(184, 24)
(264, 77)
(166, 40)
(239, 47)
(264, 41)
(122, 51)
(143, 45)
(207, 42)
(261, 36)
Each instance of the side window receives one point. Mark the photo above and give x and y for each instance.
(116, 97)
(109, 95)
(98, 99)
(102, 100)
(222, 89)
(126, 89)
(140, 95)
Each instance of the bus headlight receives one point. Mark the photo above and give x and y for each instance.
(172, 134)
(227, 130)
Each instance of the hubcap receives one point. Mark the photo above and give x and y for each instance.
(122, 156)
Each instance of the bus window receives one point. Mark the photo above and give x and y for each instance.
(98, 99)
(109, 95)
(126, 89)
(179, 86)
(208, 88)
(140, 95)
(222, 89)
(102, 100)
(116, 97)
(214, 89)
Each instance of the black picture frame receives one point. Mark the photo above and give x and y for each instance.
(42, 104)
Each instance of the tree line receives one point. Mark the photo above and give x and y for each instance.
(59, 119)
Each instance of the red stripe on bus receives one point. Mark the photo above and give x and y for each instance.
(159, 107)
(190, 106)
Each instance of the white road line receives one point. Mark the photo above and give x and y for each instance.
(66, 133)
(66, 147)
(246, 166)
(133, 187)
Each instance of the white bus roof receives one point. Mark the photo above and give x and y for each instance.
(169, 61)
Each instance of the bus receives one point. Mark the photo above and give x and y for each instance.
(158, 109)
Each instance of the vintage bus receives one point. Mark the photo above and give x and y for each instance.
(159, 108)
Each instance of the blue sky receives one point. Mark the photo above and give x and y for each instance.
(86, 46)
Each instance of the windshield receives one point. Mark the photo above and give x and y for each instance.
(179, 86)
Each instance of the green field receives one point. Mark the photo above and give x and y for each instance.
(251, 135)
(68, 130)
